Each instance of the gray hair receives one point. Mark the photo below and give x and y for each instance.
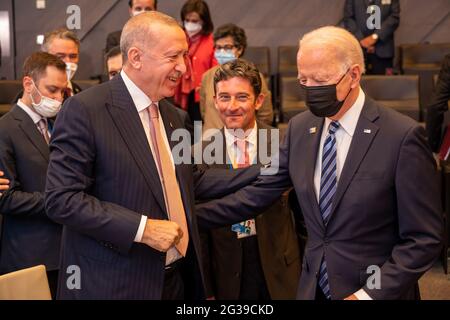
(343, 44)
(61, 33)
(139, 30)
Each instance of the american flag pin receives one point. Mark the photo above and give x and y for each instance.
(312, 130)
(367, 131)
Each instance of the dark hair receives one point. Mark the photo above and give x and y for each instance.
(61, 33)
(36, 64)
(201, 7)
(155, 3)
(232, 30)
(114, 51)
(239, 68)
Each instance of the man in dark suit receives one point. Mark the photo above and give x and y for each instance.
(378, 44)
(239, 259)
(125, 202)
(4, 183)
(135, 7)
(365, 180)
(436, 111)
(29, 237)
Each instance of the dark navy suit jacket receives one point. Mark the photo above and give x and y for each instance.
(102, 178)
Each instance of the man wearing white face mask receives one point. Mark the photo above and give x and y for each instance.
(135, 7)
(29, 237)
(65, 45)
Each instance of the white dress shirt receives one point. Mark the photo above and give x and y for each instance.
(234, 152)
(344, 136)
(142, 102)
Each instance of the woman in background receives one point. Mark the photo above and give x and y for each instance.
(198, 26)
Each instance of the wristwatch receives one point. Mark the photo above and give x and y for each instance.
(374, 36)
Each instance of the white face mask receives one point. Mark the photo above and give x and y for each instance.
(192, 28)
(47, 108)
(71, 68)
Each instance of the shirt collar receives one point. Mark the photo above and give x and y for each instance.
(349, 120)
(33, 114)
(251, 138)
(140, 99)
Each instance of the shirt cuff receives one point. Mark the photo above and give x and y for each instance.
(362, 295)
(140, 231)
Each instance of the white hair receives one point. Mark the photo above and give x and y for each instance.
(343, 45)
(139, 30)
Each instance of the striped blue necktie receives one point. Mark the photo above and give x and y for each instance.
(328, 185)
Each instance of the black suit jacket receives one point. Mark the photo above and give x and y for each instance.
(277, 242)
(102, 178)
(355, 21)
(29, 237)
(439, 105)
(113, 40)
(387, 209)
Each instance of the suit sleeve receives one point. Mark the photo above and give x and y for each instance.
(350, 20)
(251, 200)
(71, 177)
(390, 24)
(439, 105)
(14, 201)
(420, 222)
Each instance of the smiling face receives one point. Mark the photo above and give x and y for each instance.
(157, 66)
(236, 102)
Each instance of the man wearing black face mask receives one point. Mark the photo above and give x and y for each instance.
(365, 179)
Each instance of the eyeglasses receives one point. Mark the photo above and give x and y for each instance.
(225, 47)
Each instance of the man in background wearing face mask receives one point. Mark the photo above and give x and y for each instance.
(29, 237)
(364, 177)
(230, 43)
(65, 45)
(135, 7)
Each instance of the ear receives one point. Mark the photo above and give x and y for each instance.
(27, 83)
(259, 101)
(135, 58)
(355, 73)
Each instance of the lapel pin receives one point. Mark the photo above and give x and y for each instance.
(312, 130)
(367, 131)
(171, 125)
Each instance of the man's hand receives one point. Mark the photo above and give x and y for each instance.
(368, 42)
(351, 297)
(161, 234)
(4, 183)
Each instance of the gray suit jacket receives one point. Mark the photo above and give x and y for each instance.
(29, 237)
(387, 209)
(277, 242)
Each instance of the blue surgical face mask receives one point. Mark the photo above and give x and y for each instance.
(224, 56)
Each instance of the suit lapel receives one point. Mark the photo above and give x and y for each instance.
(172, 122)
(128, 122)
(365, 132)
(27, 125)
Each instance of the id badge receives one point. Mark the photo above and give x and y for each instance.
(244, 229)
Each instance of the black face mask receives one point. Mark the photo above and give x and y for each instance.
(322, 100)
